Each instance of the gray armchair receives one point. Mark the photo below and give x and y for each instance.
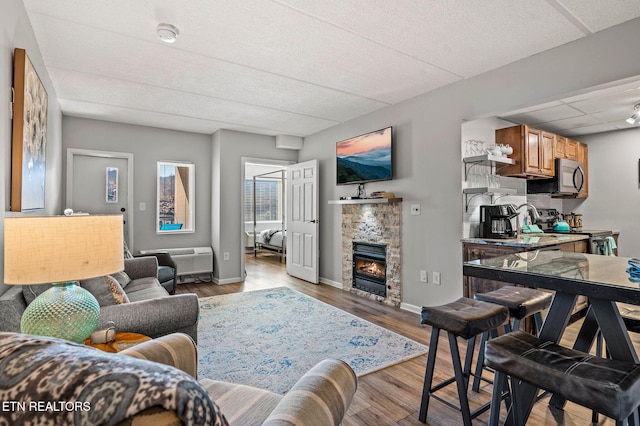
(167, 271)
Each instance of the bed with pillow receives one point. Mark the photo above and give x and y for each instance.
(272, 240)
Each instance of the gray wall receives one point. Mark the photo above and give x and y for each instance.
(229, 148)
(148, 146)
(614, 191)
(428, 157)
(17, 32)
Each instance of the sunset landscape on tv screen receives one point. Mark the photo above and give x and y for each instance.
(364, 158)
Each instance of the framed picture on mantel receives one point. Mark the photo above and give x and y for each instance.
(29, 143)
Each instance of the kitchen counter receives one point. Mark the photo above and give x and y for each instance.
(529, 241)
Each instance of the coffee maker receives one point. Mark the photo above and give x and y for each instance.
(498, 221)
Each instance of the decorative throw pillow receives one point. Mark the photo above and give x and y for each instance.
(122, 278)
(30, 292)
(88, 386)
(106, 290)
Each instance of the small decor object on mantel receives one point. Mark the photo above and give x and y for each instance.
(382, 194)
(29, 143)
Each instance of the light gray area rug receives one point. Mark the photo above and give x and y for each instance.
(270, 338)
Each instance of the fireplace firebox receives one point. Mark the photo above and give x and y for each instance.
(370, 268)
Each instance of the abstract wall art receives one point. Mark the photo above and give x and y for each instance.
(29, 145)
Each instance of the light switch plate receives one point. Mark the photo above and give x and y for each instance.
(415, 209)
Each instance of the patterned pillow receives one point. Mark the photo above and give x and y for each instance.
(87, 386)
(122, 278)
(106, 290)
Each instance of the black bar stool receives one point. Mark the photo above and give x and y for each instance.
(522, 302)
(604, 385)
(631, 316)
(465, 318)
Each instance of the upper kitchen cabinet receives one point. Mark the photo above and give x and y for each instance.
(582, 156)
(533, 151)
(565, 148)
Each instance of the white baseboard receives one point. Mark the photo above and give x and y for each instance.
(404, 306)
(411, 308)
(227, 280)
(332, 283)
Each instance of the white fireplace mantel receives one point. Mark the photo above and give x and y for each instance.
(367, 201)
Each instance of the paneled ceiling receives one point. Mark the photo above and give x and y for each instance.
(299, 66)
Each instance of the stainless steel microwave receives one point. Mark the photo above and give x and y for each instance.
(568, 179)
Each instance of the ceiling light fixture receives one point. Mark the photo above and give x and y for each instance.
(167, 32)
(634, 118)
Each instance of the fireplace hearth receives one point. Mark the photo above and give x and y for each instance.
(370, 268)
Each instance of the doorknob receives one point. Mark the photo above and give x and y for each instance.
(314, 221)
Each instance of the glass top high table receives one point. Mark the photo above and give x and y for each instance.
(603, 279)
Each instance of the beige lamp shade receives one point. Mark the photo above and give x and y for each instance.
(54, 249)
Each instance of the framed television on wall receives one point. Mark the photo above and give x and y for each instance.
(365, 158)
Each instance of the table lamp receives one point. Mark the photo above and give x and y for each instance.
(61, 250)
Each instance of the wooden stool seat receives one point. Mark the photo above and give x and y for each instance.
(607, 386)
(465, 318)
(522, 302)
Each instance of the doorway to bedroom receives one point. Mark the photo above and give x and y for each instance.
(264, 207)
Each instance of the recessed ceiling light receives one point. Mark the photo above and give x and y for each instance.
(167, 32)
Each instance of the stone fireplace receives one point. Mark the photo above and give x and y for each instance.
(375, 223)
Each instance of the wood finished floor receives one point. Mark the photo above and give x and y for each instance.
(392, 396)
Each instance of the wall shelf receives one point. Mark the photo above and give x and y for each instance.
(367, 201)
(469, 193)
(485, 160)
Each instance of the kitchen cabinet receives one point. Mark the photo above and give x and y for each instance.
(582, 153)
(565, 148)
(572, 149)
(472, 251)
(533, 151)
(560, 147)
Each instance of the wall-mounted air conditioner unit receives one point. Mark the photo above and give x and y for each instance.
(189, 260)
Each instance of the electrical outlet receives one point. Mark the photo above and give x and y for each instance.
(225, 255)
(436, 278)
(423, 276)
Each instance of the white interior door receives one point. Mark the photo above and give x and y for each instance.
(302, 220)
(98, 182)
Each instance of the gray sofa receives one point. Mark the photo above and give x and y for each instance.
(150, 310)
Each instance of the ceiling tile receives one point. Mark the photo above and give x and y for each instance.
(571, 123)
(597, 128)
(141, 61)
(135, 96)
(465, 37)
(626, 99)
(545, 115)
(601, 14)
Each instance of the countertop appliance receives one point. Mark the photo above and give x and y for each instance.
(548, 217)
(569, 179)
(498, 221)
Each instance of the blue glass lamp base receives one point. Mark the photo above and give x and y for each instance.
(65, 311)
